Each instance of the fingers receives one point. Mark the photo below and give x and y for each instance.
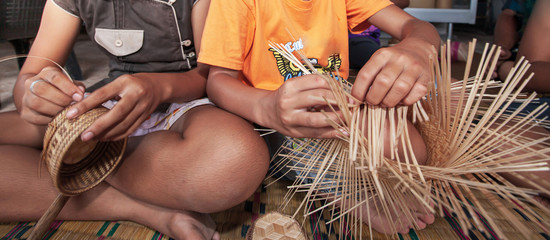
(117, 123)
(312, 98)
(293, 115)
(395, 85)
(384, 84)
(80, 86)
(42, 106)
(365, 77)
(308, 82)
(505, 54)
(314, 119)
(35, 117)
(42, 89)
(418, 91)
(311, 124)
(135, 103)
(46, 94)
(397, 75)
(327, 132)
(93, 100)
(60, 81)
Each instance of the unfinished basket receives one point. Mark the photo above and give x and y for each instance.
(463, 125)
(75, 166)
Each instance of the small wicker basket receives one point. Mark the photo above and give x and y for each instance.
(75, 166)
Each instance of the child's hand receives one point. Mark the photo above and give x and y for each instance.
(504, 64)
(291, 110)
(503, 69)
(395, 75)
(137, 99)
(47, 93)
(505, 54)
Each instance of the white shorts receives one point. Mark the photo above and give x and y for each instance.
(163, 120)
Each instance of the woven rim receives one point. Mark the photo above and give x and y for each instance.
(77, 166)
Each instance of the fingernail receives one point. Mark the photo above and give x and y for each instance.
(87, 136)
(77, 97)
(71, 113)
(344, 132)
(81, 88)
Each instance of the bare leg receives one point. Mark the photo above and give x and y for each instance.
(27, 197)
(16, 131)
(161, 172)
(379, 220)
(537, 133)
(216, 163)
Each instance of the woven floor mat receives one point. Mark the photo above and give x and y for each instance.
(234, 223)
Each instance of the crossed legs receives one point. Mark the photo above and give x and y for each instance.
(209, 161)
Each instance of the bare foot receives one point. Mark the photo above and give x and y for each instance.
(397, 221)
(184, 225)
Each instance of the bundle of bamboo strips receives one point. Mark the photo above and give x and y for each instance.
(470, 135)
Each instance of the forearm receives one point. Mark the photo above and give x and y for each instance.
(229, 93)
(405, 27)
(505, 34)
(415, 29)
(179, 86)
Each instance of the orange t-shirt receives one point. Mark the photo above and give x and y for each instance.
(238, 32)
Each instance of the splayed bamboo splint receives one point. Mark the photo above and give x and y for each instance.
(471, 137)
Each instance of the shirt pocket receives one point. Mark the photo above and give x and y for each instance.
(119, 42)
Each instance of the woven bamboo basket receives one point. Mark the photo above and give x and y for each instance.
(471, 138)
(75, 166)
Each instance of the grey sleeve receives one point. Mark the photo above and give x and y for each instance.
(68, 6)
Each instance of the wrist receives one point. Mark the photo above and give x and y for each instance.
(263, 109)
(160, 85)
(165, 90)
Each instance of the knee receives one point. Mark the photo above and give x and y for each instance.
(239, 160)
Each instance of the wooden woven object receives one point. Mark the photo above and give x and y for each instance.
(75, 166)
(275, 226)
(471, 138)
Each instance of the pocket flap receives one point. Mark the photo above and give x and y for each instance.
(119, 42)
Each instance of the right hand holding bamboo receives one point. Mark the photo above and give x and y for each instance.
(48, 93)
